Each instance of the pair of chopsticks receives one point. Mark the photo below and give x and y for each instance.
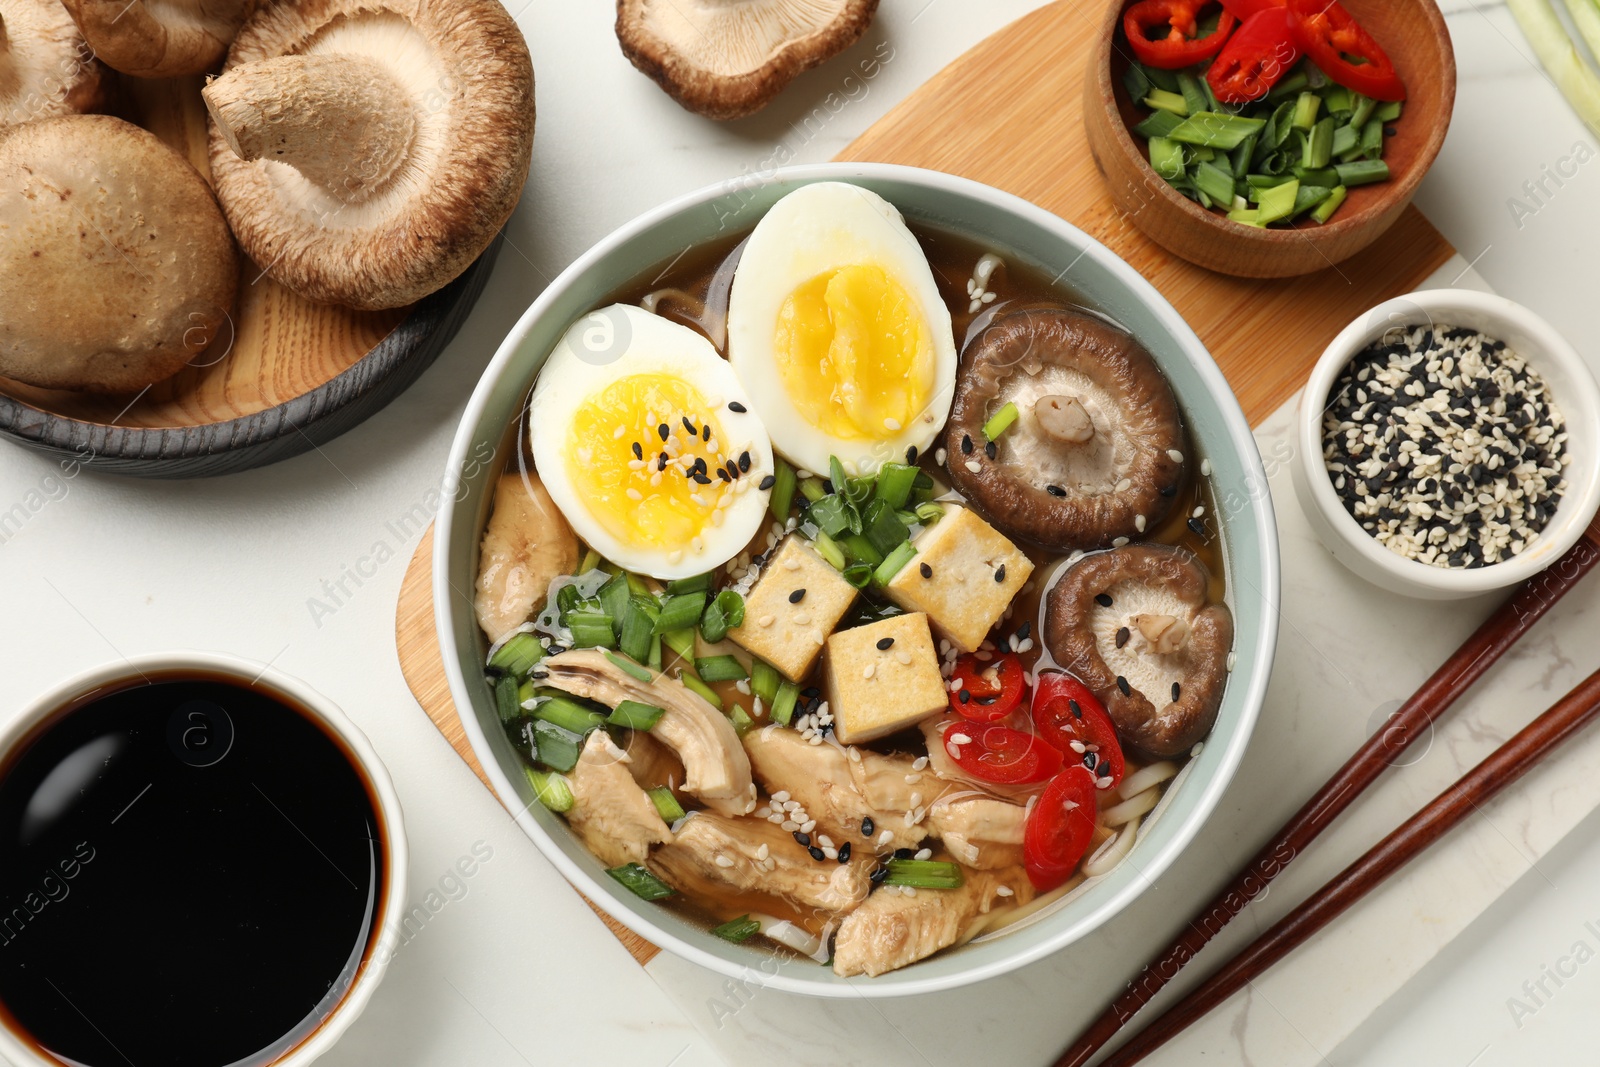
(1508, 763)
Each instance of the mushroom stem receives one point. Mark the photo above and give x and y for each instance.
(343, 121)
(1165, 633)
(1064, 418)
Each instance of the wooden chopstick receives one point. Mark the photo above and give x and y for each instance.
(1470, 792)
(1532, 600)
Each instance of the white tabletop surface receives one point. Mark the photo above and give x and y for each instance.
(300, 564)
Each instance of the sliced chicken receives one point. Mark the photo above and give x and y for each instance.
(610, 813)
(941, 764)
(714, 855)
(980, 831)
(650, 762)
(819, 778)
(714, 763)
(526, 546)
(895, 782)
(893, 929)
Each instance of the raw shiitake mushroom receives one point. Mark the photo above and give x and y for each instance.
(159, 38)
(1095, 452)
(46, 67)
(367, 151)
(728, 58)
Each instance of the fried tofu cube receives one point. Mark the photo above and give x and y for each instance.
(792, 609)
(963, 576)
(883, 677)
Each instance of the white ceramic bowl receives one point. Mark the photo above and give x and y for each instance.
(1572, 388)
(388, 933)
(641, 249)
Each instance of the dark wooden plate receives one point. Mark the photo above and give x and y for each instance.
(290, 374)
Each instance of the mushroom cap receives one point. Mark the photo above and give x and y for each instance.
(466, 73)
(159, 38)
(116, 267)
(1060, 495)
(728, 60)
(46, 67)
(1084, 636)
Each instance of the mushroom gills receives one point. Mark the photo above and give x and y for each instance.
(1152, 660)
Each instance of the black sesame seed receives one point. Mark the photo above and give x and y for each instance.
(1000, 575)
(1055, 490)
(1176, 691)
(1024, 630)
(1122, 636)
(991, 450)
(927, 571)
(1122, 684)
(885, 643)
(868, 826)
(817, 854)
(878, 875)
(744, 462)
(723, 475)
(638, 452)
(664, 430)
(555, 649)
(1168, 490)
(811, 692)
(904, 853)
(702, 479)
(1073, 706)
(661, 462)
(796, 596)
(734, 405)
(1103, 599)
(963, 695)
(705, 432)
(694, 431)
(1091, 760)
(733, 470)
(966, 444)
(768, 482)
(804, 839)
(844, 852)
(1198, 527)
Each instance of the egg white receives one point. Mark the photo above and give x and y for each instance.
(614, 343)
(821, 228)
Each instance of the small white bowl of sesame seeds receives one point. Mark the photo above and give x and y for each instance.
(1447, 445)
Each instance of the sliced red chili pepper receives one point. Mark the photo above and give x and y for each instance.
(1166, 33)
(998, 753)
(1243, 9)
(1064, 711)
(1255, 58)
(1344, 51)
(989, 691)
(1059, 828)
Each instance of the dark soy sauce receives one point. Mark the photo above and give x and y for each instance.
(190, 872)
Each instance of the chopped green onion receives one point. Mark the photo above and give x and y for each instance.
(591, 631)
(884, 528)
(614, 596)
(695, 685)
(1346, 139)
(567, 598)
(637, 585)
(680, 611)
(1194, 97)
(1318, 151)
(1161, 100)
(1000, 421)
(929, 513)
(830, 551)
(1325, 210)
(859, 575)
(1372, 139)
(632, 715)
(1305, 111)
(1214, 182)
(1266, 181)
(1166, 158)
(724, 613)
(1249, 217)
(1278, 202)
(517, 655)
(569, 715)
(1391, 110)
(645, 885)
(506, 703)
(1243, 154)
(526, 691)
(1310, 196)
(591, 560)
(783, 703)
(782, 497)
(1326, 177)
(832, 515)
(1361, 109)
(1159, 124)
(1291, 85)
(551, 789)
(638, 627)
(1135, 82)
(1336, 99)
(666, 803)
(1161, 79)
(894, 562)
(1363, 172)
(924, 874)
(737, 930)
(654, 655)
(697, 583)
(720, 669)
(680, 641)
(764, 680)
(811, 489)
(895, 482)
(555, 747)
(858, 549)
(630, 668)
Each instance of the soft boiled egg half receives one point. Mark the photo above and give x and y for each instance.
(837, 329)
(648, 444)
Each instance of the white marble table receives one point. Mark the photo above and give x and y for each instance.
(514, 969)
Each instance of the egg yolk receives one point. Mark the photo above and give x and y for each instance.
(644, 456)
(854, 353)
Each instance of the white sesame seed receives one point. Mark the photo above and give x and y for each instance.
(1197, 512)
(940, 456)
(974, 466)
(1174, 455)
(885, 837)
(808, 826)
(869, 670)
(764, 851)
(764, 621)
(960, 739)
(1003, 891)
(723, 861)
(924, 854)
(790, 825)
(802, 619)
(916, 799)
(781, 795)
(830, 853)
(824, 840)
(1205, 468)
(892, 425)
(919, 763)
(1139, 523)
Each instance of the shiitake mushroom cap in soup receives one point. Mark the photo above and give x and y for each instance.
(1097, 442)
(1135, 625)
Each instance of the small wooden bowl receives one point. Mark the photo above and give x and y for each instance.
(289, 375)
(1414, 35)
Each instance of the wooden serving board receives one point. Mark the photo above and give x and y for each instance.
(1008, 114)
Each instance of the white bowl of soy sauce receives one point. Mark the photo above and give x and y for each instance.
(202, 863)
